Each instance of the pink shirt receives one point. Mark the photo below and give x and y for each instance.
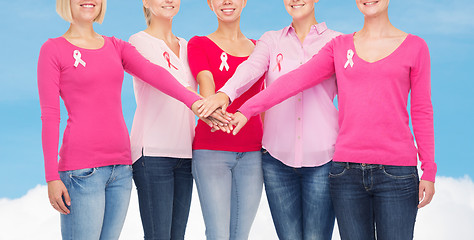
(372, 97)
(167, 131)
(300, 131)
(204, 54)
(90, 82)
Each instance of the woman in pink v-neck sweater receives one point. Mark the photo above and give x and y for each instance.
(91, 184)
(374, 179)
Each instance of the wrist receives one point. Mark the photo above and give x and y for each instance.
(223, 98)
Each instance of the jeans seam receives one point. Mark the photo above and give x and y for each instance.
(150, 200)
(237, 207)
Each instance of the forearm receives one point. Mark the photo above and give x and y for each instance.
(206, 83)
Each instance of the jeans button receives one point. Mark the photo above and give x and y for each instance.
(363, 164)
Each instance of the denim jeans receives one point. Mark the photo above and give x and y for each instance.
(299, 200)
(99, 202)
(164, 187)
(374, 201)
(230, 186)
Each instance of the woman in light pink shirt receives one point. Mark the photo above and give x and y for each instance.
(374, 180)
(299, 133)
(161, 137)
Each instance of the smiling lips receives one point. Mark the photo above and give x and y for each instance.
(228, 10)
(370, 3)
(87, 5)
(297, 6)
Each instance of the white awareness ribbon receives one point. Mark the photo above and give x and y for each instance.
(224, 62)
(77, 57)
(350, 54)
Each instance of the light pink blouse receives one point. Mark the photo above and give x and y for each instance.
(168, 130)
(302, 130)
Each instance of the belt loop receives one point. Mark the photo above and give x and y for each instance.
(347, 165)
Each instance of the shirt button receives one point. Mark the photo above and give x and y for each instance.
(298, 137)
(299, 118)
(299, 99)
(301, 63)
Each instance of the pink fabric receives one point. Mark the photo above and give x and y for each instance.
(372, 98)
(167, 131)
(96, 134)
(302, 130)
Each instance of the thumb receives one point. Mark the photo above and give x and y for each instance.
(224, 108)
(421, 192)
(67, 198)
(237, 128)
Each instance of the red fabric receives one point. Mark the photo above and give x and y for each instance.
(204, 54)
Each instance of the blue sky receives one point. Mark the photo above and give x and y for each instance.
(447, 27)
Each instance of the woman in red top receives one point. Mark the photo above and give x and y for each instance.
(227, 168)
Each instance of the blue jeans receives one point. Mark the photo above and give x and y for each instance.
(230, 186)
(374, 200)
(299, 200)
(99, 202)
(164, 187)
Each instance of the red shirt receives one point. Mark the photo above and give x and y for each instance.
(204, 54)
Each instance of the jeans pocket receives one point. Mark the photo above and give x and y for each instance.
(337, 169)
(400, 172)
(83, 173)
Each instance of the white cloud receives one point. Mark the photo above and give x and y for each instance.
(449, 216)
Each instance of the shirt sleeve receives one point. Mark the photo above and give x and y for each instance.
(197, 57)
(319, 68)
(138, 66)
(422, 111)
(48, 74)
(251, 70)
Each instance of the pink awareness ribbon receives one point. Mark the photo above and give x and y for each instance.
(279, 58)
(166, 55)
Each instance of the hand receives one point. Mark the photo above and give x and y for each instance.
(426, 192)
(212, 103)
(216, 121)
(56, 192)
(239, 121)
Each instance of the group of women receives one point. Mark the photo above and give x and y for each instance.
(357, 164)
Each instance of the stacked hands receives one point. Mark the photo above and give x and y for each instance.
(212, 110)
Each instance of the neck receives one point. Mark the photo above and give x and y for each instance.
(303, 26)
(229, 30)
(377, 26)
(161, 28)
(81, 30)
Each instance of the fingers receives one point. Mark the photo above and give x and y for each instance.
(57, 203)
(222, 118)
(239, 120)
(62, 206)
(208, 122)
(425, 193)
(207, 108)
(212, 103)
(56, 192)
(237, 128)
